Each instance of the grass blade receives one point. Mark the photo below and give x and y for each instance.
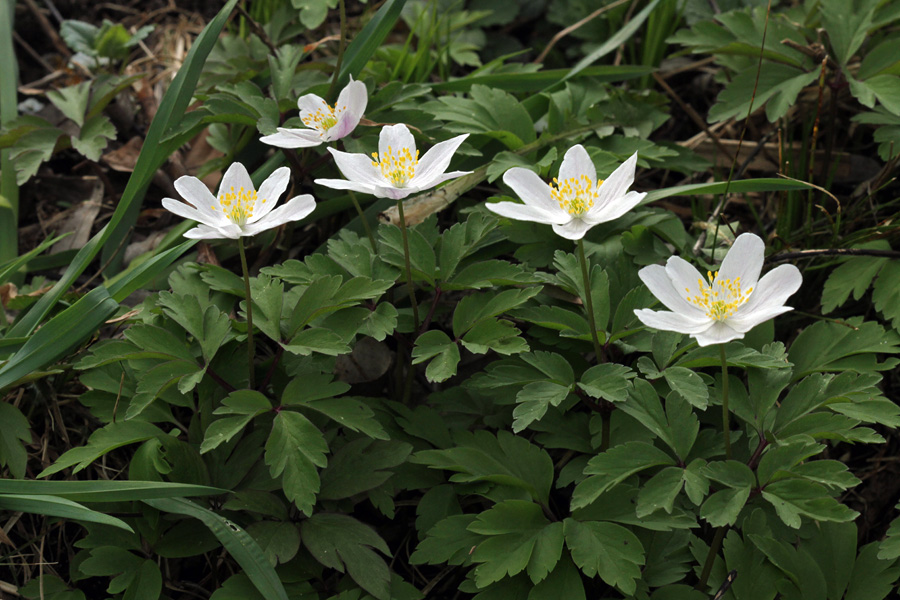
(105, 491)
(236, 541)
(369, 39)
(9, 84)
(58, 507)
(718, 187)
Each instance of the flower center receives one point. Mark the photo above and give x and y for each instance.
(721, 297)
(575, 195)
(397, 168)
(323, 120)
(238, 205)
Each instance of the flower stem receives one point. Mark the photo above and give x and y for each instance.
(409, 281)
(588, 300)
(364, 220)
(726, 427)
(711, 557)
(250, 350)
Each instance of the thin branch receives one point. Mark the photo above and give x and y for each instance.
(575, 26)
(832, 252)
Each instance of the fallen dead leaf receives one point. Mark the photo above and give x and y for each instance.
(369, 360)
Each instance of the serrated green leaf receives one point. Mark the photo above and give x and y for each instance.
(660, 491)
(72, 101)
(886, 293)
(795, 498)
(319, 340)
(606, 470)
(443, 351)
(14, 429)
(293, 451)
(94, 137)
(723, 507)
(103, 440)
(361, 465)
(607, 550)
(608, 381)
(688, 385)
(533, 401)
(449, 541)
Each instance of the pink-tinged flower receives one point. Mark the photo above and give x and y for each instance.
(728, 303)
(238, 209)
(326, 123)
(576, 200)
(395, 171)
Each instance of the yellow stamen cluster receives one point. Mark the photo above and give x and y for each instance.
(720, 298)
(397, 168)
(323, 120)
(238, 205)
(575, 195)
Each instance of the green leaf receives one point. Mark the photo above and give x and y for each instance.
(489, 111)
(533, 401)
(58, 507)
(608, 469)
(247, 404)
(438, 346)
(608, 381)
(341, 542)
(317, 339)
(367, 41)
(607, 550)
(360, 466)
(724, 506)
(72, 101)
(280, 541)
(519, 538)
(449, 541)
(102, 441)
(660, 491)
(94, 136)
(825, 346)
(677, 426)
(688, 385)
(853, 276)
(483, 306)
(14, 429)
(872, 579)
(156, 381)
(105, 491)
(886, 293)
(293, 451)
(505, 459)
(147, 583)
(794, 498)
(501, 336)
(243, 548)
(889, 547)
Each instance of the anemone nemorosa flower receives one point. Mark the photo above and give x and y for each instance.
(395, 171)
(238, 209)
(576, 200)
(326, 123)
(728, 303)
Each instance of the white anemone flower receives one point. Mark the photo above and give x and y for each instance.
(395, 171)
(326, 123)
(728, 303)
(576, 200)
(238, 209)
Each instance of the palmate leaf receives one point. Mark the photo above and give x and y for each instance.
(506, 460)
(615, 465)
(825, 346)
(488, 111)
(342, 543)
(14, 430)
(293, 451)
(519, 538)
(448, 541)
(102, 441)
(607, 550)
(794, 498)
(443, 352)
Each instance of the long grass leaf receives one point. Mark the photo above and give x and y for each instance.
(533, 82)
(58, 507)
(106, 491)
(236, 541)
(743, 186)
(60, 335)
(8, 268)
(9, 84)
(369, 39)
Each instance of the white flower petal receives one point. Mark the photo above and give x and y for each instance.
(577, 162)
(419, 186)
(357, 167)
(235, 178)
(352, 103)
(344, 184)
(685, 278)
(524, 212)
(394, 193)
(670, 321)
(573, 230)
(270, 191)
(616, 208)
(195, 191)
(658, 281)
(433, 164)
(293, 138)
(616, 184)
(206, 232)
(718, 333)
(771, 292)
(185, 211)
(310, 103)
(747, 322)
(744, 260)
(533, 190)
(293, 210)
(393, 138)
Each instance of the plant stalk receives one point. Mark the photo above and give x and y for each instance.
(588, 300)
(409, 281)
(711, 557)
(250, 349)
(726, 426)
